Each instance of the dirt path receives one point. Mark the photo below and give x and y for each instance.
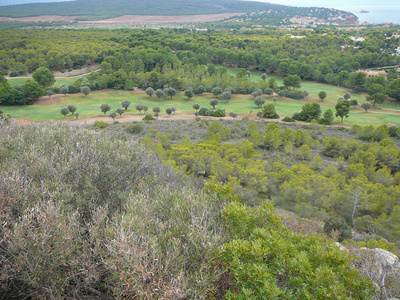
(73, 74)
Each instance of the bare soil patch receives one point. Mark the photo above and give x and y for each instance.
(50, 18)
(48, 101)
(166, 19)
(79, 72)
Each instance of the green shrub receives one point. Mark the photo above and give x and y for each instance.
(288, 119)
(218, 113)
(148, 118)
(100, 124)
(269, 111)
(266, 261)
(134, 128)
(203, 111)
(338, 223)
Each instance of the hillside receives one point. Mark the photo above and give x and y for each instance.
(101, 9)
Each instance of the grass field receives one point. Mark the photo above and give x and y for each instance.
(49, 108)
(59, 81)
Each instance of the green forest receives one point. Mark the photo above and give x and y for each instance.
(247, 196)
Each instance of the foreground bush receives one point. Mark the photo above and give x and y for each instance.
(81, 215)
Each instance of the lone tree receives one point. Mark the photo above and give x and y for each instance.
(139, 107)
(113, 115)
(233, 115)
(85, 90)
(189, 93)
(168, 111)
(64, 111)
(259, 101)
(159, 93)
(64, 90)
(305, 94)
(354, 102)
(213, 102)
(173, 109)
(264, 76)
(156, 110)
(366, 106)
(44, 77)
(342, 109)
(150, 91)
(105, 108)
(322, 95)
(269, 111)
(196, 106)
(227, 96)
(72, 109)
(125, 104)
(120, 111)
(259, 114)
(171, 92)
(145, 108)
(347, 96)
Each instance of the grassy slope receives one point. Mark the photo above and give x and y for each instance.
(90, 106)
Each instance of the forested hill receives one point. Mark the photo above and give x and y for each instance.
(101, 9)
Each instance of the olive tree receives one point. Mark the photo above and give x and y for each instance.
(64, 111)
(213, 102)
(125, 104)
(227, 96)
(196, 106)
(150, 91)
(85, 90)
(72, 109)
(105, 108)
(120, 111)
(259, 101)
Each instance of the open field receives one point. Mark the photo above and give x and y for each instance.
(47, 108)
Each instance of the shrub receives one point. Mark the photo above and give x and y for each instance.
(100, 124)
(218, 113)
(203, 111)
(134, 128)
(291, 94)
(288, 119)
(338, 223)
(148, 118)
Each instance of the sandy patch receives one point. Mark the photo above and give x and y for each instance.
(166, 19)
(50, 18)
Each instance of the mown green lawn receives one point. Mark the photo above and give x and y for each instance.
(241, 104)
(59, 81)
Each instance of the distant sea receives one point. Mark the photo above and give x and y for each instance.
(376, 16)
